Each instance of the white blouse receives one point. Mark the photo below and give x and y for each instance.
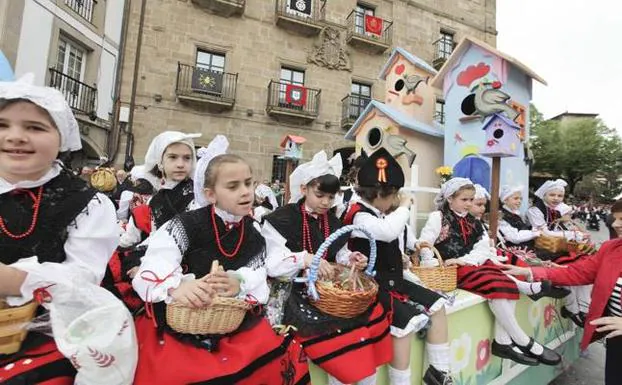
(91, 240)
(538, 222)
(281, 262)
(514, 235)
(163, 258)
(482, 250)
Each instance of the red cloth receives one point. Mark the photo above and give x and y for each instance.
(373, 24)
(350, 356)
(142, 218)
(44, 365)
(487, 280)
(601, 269)
(296, 95)
(250, 357)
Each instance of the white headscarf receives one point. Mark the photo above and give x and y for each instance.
(53, 102)
(263, 192)
(449, 188)
(217, 146)
(551, 185)
(507, 191)
(481, 193)
(306, 172)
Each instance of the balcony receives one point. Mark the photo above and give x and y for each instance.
(305, 17)
(80, 97)
(443, 48)
(292, 102)
(369, 32)
(224, 8)
(84, 8)
(213, 89)
(352, 106)
(439, 117)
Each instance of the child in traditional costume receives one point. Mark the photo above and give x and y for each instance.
(545, 216)
(461, 241)
(349, 350)
(413, 306)
(176, 269)
(53, 227)
(514, 229)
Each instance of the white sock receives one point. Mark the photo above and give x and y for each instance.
(333, 381)
(438, 356)
(504, 314)
(501, 336)
(371, 380)
(570, 301)
(527, 288)
(399, 377)
(584, 297)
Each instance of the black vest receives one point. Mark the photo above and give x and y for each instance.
(287, 220)
(550, 215)
(451, 243)
(166, 203)
(202, 246)
(517, 222)
(64, 197)
(389, 264)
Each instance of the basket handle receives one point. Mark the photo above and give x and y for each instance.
(315, 264)
(437, 255)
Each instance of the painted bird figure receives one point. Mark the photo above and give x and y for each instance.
(487, 101)
(398, 146)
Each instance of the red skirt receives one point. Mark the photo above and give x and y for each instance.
(351, 355)
(250, 357)
(43, 365)
(117, 285)
(487, 280)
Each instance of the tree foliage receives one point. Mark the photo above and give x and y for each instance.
(577, 149)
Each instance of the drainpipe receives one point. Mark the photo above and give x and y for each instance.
(129, 145)
(114, 138)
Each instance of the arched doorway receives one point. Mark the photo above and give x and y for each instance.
(89, 155)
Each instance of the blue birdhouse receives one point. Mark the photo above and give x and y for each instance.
(6, 72)
(502, 137)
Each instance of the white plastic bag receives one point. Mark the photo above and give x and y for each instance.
(95, 331)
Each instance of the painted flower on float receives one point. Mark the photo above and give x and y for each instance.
(483, 354)
(549, 315)
(535, 313)
(460, 352)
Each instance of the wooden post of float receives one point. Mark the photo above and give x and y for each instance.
(289, 168)
(494, 197)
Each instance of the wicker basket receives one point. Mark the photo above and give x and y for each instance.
(336, 301)
(443, 278)
(551, 244)
(223, 316)
(12, 320)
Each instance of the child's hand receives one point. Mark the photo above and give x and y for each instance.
(132, 272)
(325, 269)
(454, 261)
(359, 260)
(195, 293)
(423, 244)
(222, 283)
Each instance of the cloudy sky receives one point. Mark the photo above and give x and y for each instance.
(575, 45)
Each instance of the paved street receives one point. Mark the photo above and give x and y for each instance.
(590, 368)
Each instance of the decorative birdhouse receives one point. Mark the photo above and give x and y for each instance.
(6, 72)
(292, 146)
(502, 137)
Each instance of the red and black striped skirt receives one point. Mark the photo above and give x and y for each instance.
(487, 280)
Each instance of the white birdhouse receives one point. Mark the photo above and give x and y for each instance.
(292, 146)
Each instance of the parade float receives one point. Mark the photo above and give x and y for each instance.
(487, 95)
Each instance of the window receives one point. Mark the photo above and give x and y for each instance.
(71, 59)
(445, 45)
(439, 113)
(211, 61)
(83, 8)
(360, 95)
(359, 17)
(290, 76)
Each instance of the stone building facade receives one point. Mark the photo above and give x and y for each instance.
(258, 70)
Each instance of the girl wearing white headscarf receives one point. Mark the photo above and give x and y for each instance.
(461, 240)
(265, 202)
(55, 231)
(546, 216)
(169, 165)
(512, 226)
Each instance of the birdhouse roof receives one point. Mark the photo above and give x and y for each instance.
(403, 120)
(414, 60)
(464, 45)
(294, 138)
(505, 120)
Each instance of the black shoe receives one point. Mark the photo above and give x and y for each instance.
(547, 357)
(507, 351)
(574, 317)
(434, 376)
(583, 317)
(548, 290)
